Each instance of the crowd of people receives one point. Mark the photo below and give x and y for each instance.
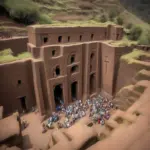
(97, 108)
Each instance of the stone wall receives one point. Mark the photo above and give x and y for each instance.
(93, 66)
(46, 35)
(16, 82)
(17, 45)
(110, 64)
(79, 66)
(126, 73)
(143, 47)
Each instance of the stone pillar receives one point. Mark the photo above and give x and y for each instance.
(38, 87)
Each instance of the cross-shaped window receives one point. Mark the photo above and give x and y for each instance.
(106, 63)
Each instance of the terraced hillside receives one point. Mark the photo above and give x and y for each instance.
(129, 94)
(70, 11)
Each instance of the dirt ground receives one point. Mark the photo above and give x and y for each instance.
(32, 135)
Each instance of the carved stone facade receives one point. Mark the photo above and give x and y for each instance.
(71, 63)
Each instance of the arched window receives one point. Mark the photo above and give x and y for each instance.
(56, 71)
(74, 90)
(68, 38)
(105, 34)
(92, 36)
(72, 59)
(92, 56)
(117, 36)
(74, 69)
(45, 39)
(58, 95)
(92, 84)
(53, 52)
(60, 39)
(80, 37)
(19, 82)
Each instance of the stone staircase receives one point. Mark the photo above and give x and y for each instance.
(129, 127)
(141, 75)
(85, 135)
(80, 133)
(130, 94)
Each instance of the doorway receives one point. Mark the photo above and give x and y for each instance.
(92, 83)
(58, 95)
(74, 91)
(118, 36)
(23, 103)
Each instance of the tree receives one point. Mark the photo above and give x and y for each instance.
(112, 14)
(119, 21)
(145, 38)
(129, 25)
(24, 11)
(103, 18)
(135, 33)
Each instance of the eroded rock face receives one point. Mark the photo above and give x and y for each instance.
(10, 130)
(134, 127)
(124, 98)
(133, 78)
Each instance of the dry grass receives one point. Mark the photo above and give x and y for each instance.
(143, 75)
(7, 56)
(82, 13)
(122, 43)
(134, 56)
(75, 24)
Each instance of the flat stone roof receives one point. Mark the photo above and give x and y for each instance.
(65, 28)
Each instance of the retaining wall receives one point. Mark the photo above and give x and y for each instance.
(17, 45)
(16, 80)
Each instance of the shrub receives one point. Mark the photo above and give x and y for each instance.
(44, 19)
(103, 18)
(145, 38)
(119, 21)
(23, 11)
(6, 52)
(135, 33)
(129, 26)
(112, 14)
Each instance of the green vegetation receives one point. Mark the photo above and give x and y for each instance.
(123, 42)
(24, 55)
(44, 19)
(138, 7)
(129, 26)
(112, 15)
(140, 88)
(103, 18)
(81, 12)
(135, 33)
(142, 75)
(6, 52)
(7, 56)
(134, 56)
(24, 11)
(119, 20)
(75, 23)
(145, 38)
